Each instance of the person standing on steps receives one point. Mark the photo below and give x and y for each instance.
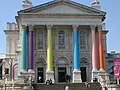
(39, 78)
(67, 78)
(50, 81)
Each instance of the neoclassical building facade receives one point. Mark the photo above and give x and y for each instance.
(61, 37)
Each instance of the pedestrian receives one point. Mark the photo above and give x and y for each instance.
(47, 82)
(50, 81)
(66, 78)
(86, 84)
(69, 77)
(39, 78)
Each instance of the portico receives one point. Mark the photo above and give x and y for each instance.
(59, 36)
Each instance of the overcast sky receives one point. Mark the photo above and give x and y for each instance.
(9, 8)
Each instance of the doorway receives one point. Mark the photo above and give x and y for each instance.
(40, 75)
(83, 74)
(61, 74)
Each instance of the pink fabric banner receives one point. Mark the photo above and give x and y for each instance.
(116, 67)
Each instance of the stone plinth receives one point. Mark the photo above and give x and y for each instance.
(50, 75)
(77, 76)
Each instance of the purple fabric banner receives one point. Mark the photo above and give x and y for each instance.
(116, 67)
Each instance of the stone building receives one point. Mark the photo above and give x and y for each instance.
(57, 38)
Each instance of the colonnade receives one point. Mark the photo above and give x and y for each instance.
(76, 72)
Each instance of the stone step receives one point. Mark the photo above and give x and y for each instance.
(72, 86)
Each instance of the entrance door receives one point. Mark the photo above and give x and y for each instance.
(40, 75)
(83, 73)
(61, 74)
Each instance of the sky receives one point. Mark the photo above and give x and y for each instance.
(9, 8)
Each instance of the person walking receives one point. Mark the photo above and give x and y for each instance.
(66, 78)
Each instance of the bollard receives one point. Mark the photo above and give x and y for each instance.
(66, 88)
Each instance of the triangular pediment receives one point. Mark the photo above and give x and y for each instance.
(62, 7)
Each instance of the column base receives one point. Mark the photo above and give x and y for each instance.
(31, 74)
(77, 76)
(94, 75)
(101, 72)
(23, 72)
(31, 71)
(50, 75)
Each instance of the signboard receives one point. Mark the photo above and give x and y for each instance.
(116, 67)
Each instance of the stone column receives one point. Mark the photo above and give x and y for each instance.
(50, 72)
(101, 52)
(30, 49)
(94, 60)
(76, 72)
(23, 61)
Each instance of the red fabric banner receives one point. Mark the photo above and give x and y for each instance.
(116, 67)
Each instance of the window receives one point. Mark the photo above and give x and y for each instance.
(6, 70)
(84, 61)
(62, 61)
(40, 40)
(61, 39)
(82, 40)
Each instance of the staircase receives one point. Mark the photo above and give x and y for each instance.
(72, 86)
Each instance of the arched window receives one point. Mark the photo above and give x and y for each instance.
(82, 40)
(62, 61)
(40, 40)
(84, 61)
(40, 61)
(61, 39)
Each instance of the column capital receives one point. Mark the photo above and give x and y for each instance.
(75, 27)
(30, 27)
(24, 26)
(49, 27)
(92, 27)
(99, 27)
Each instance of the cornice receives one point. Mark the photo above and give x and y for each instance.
(54, 15)
(11, 31)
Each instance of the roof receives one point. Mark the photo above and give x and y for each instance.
(62, 7)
